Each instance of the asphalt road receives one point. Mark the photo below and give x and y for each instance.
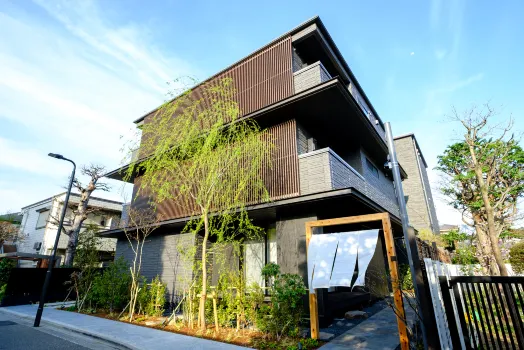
(19, 333)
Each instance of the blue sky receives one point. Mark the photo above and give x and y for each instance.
(74, 75)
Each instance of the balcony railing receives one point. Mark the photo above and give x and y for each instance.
(323, 170)
(310, 76)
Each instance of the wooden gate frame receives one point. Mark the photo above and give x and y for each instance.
(392, 263)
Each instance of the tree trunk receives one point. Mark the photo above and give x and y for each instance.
(484, 249)
(203, 295)
(492, 232)
(73, 241)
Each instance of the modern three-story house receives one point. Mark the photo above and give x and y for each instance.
(330, 154)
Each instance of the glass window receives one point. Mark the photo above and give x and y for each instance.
(42, 219)
(372, 168)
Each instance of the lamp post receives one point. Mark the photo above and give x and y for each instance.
(60, 225)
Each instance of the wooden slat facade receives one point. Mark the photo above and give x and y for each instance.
(281, 179)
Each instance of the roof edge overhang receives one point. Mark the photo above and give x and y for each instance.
(272, 42)
(334, 83)
(309, 198)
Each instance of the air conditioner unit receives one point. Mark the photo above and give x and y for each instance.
(37, 245)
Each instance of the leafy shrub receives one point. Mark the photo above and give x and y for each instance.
(465, 256)
(406, 282)
(282, 316)
(269, 272)
(516, 257)
(6, 265)
(3, 288)
(110, 290)
(156, 298)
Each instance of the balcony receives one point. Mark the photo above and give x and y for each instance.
(323, 170)
(310, 76)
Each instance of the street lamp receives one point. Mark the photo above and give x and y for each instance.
(60, 225)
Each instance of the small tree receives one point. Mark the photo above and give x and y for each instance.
(141, 223)
(486, 178)
(87, 261)
(198, 153)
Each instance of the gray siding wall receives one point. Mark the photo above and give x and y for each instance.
(310, 76)
(162, 257)
(419, 201)
(302, 139)
(323, 170)
(383, 183)
(298, 64)
(291, 245)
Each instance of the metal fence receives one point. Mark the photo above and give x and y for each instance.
(490, 311)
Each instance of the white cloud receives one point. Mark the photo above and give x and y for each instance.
(17, 156)
(412, 53)
(73, 86)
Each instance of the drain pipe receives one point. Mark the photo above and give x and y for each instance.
(409, 236)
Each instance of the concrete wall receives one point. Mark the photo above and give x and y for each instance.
(417, 190)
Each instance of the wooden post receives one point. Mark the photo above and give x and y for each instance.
(313, 303)
(190, 307)
(215, 311)
(392, 263)
(397, 292)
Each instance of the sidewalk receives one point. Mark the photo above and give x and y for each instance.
(123, 334)
(379, 332)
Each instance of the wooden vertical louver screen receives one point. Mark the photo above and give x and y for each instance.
(261, 79)
(281, 178)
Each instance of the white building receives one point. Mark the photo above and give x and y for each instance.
(40, 224)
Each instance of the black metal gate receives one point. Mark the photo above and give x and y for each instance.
(490, 311)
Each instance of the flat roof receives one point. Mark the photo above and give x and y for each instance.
(74, 195)
(325, 33)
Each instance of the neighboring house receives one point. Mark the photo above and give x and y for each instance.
(330, 151)
(446, 228)
(40, 225)
(417, 191)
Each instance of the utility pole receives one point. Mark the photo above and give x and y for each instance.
(423, 301)
(60, 225)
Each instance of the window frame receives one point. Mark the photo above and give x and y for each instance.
(40, 212)
(372, 168)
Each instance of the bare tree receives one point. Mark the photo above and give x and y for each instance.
(139, 226)
(82, 210)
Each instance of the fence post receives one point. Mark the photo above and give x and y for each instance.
(445, 288)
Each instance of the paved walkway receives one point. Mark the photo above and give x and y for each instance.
(379, 332)
(124, 334)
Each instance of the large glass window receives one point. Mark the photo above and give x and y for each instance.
(257, 254)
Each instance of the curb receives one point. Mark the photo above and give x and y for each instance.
(68, 327)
